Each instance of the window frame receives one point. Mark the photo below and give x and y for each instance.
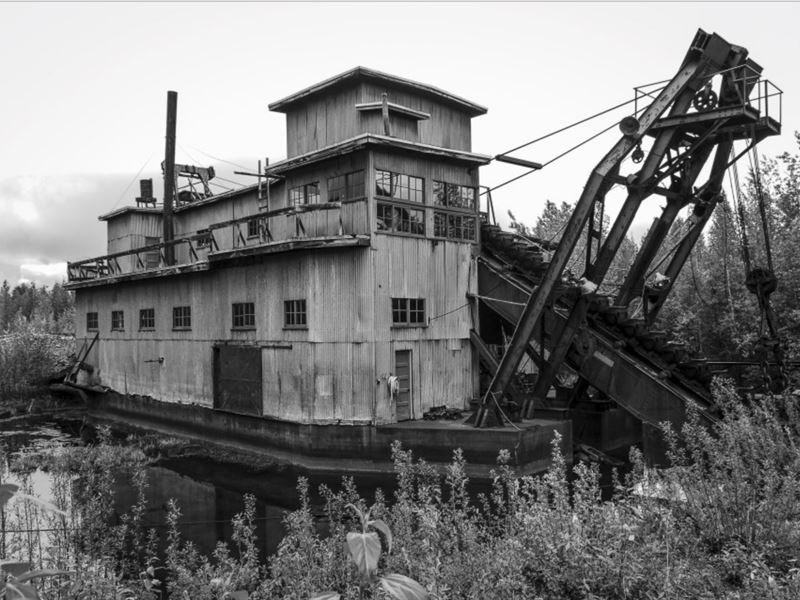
(347, 192)
(398, 229)
(204, 241)
(295, 309)
(248, 317)
(152, 319)
(393, 186)
(447, 196)
(252, 224)
(117, 320)
(96, 317)
(462, 217)
(181, 313)
(404, 308)
(305, 194)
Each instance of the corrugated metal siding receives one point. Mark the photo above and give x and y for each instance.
(316, 381)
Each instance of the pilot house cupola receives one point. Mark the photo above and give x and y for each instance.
(363, 101)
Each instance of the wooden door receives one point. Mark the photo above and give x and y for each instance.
(237, 379)
(402, 370)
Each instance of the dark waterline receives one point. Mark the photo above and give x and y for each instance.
(209, 493)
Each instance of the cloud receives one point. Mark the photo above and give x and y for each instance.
(43, 272)
(48, 220)
(51, 219)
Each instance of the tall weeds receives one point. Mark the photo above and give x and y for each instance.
(721, 522)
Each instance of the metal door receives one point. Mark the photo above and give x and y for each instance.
(237, 379)
(402, 370)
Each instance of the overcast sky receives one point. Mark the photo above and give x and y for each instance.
(84, 91)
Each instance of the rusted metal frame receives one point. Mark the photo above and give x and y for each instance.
(660, 229)
(680, 160)
(712, 189)
(536, 303)
(536, 355)
(596, 272)
(658, 232)
(139, 262)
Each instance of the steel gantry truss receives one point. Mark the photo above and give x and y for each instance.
(716, 97)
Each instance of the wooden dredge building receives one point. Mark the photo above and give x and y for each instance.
(336, 292)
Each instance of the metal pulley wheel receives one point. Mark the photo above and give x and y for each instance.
(763, 279)
(705, 99)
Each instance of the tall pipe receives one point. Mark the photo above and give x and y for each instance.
(169, 175)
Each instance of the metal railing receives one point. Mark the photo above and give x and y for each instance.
(308, 221)
(751, 89)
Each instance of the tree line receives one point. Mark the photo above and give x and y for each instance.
(710, 307)
(50, 308)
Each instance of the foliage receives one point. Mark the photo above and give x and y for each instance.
(28, 355)
(53, 309)
(720, 522)
(364, 548)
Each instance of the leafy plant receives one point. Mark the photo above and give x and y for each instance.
(15, 575)
(364, 548)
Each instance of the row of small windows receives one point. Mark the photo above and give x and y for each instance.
(388, 184)
(181, 319)
(405, 311)
(401, 219)
(349, 186)
(243, 317)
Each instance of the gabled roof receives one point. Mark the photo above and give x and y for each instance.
(365, 74)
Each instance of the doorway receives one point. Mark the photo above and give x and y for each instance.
(402, 370)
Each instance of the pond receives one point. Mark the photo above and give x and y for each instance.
(208, 492)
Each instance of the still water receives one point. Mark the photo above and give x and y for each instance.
(208, 493)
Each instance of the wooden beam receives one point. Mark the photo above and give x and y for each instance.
(520, 162)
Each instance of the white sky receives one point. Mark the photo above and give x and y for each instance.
(84, 91)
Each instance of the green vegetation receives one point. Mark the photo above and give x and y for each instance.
(721, 522)
(36, 329)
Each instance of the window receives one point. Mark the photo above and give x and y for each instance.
(294, 314)
(244, 315)
(399, 186)
(453, 226)
(304, 194)
(152, 258)
(147, 318)
(401, 219)
(91, 321)
(252, 228)
(453, 195)
(346, 187)
(181, 317)
(117, 320)
(204, 239)
(409, 312)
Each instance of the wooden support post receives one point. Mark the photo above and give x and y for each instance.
(387, 126)
(169, 175)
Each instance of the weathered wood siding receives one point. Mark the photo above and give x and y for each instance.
(327, 120)
(442, 273)
(323, 373)
(448, 127)
(130, 230)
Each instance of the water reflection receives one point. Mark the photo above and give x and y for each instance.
(202, 489)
